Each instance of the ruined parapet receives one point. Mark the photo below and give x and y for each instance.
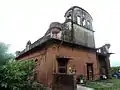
(28, 45)
(17, 53)
(79, 16)
(54, 30)
(55, 25)
(104, 49)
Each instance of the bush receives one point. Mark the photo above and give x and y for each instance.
(19, 75)
(115, 69)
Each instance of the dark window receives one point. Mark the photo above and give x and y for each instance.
(62, 70)
(35, 76)
(36, 60)
(62, 65)
(69, 16)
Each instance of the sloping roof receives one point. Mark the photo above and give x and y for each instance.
(45, 39)
(102, 54)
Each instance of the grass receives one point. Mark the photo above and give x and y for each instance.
(111, 84)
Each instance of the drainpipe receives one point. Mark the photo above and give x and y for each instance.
(46, 70)
(72, 27)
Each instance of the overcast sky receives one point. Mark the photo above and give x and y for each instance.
(23, 20)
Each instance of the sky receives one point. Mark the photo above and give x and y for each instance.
(23, 20)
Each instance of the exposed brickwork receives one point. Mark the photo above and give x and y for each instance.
(47, 62)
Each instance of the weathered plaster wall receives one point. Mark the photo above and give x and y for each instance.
(82, 35)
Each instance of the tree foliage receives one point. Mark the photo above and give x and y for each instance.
(4, 55)
(16, 74)
(115, 69)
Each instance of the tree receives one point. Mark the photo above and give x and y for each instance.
(19, 75)
(16, 74)
(4, 55)
(115, 69)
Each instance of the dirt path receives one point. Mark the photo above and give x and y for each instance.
(79, 87)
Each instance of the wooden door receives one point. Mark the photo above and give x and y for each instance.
(90, 71)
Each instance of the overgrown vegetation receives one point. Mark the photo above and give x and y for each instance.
(115, 69)
(16, 75)
(110, 84)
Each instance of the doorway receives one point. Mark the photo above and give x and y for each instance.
(90, 71)
(62, 80)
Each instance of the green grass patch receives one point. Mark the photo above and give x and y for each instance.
(110, 84)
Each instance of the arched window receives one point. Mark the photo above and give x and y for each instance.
(36, 60)
(79, 20)
(69, 17)
(88, 22)
(35, 76)
(84, 22)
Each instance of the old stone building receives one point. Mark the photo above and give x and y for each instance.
(68, 48)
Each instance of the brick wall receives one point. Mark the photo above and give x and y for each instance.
(47, 62)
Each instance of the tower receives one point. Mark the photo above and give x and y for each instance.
(79, 22)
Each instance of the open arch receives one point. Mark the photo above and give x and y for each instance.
(79, 20)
